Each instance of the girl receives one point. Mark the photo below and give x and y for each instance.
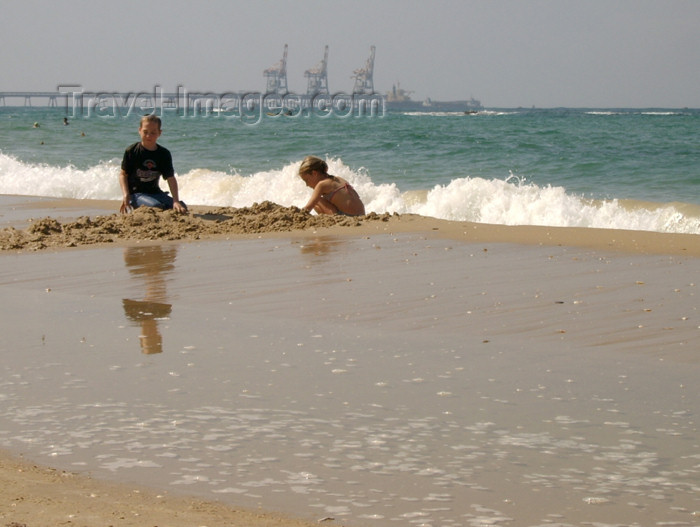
(331, 194)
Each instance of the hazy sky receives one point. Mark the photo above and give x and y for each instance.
(507, 53)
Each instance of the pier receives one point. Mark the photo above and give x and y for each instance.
(70, 98)
(50, 97)
(80, 103)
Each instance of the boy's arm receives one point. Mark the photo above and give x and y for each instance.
(175, 192)
(126, 198)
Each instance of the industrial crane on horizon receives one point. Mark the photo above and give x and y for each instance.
(318, 77)
(277, 76)
(364, 77)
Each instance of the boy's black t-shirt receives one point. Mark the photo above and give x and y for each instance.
(144, 167)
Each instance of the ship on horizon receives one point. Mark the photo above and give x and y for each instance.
(400, 99)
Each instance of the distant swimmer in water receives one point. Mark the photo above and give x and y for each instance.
(36, 125)
(65, 121)
(331, 194)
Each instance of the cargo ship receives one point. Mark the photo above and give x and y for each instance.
(400, 99)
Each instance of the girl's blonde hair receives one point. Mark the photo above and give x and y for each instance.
(311, 163)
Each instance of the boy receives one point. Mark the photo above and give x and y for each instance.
(142, 166)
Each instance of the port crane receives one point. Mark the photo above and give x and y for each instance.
(277, 76)
(364, 77)
(318, 77)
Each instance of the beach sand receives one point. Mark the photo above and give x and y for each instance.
(35, 496)
(43, 223)
(358, 371)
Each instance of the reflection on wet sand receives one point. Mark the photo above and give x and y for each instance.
(151, 266)
(321, 246)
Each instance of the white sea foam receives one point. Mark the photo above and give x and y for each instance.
(508, 201)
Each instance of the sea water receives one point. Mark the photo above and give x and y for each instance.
(627, 169)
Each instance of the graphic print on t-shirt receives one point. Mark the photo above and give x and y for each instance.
(149, 174)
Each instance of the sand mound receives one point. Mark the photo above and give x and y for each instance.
(153, 224)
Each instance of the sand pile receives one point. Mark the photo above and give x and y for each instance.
(153, 224)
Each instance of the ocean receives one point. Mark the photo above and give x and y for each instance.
(626, 168)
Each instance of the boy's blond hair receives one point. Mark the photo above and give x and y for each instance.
(150, 118)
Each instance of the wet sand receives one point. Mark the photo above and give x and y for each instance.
(393, 370)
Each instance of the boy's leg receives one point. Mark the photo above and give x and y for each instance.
(160, 200)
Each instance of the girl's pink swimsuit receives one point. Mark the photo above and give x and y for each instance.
(329, 196)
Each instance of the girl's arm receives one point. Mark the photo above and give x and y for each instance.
(315, 197)
(317, 201)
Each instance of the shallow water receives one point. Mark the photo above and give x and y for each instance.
(378, 381)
